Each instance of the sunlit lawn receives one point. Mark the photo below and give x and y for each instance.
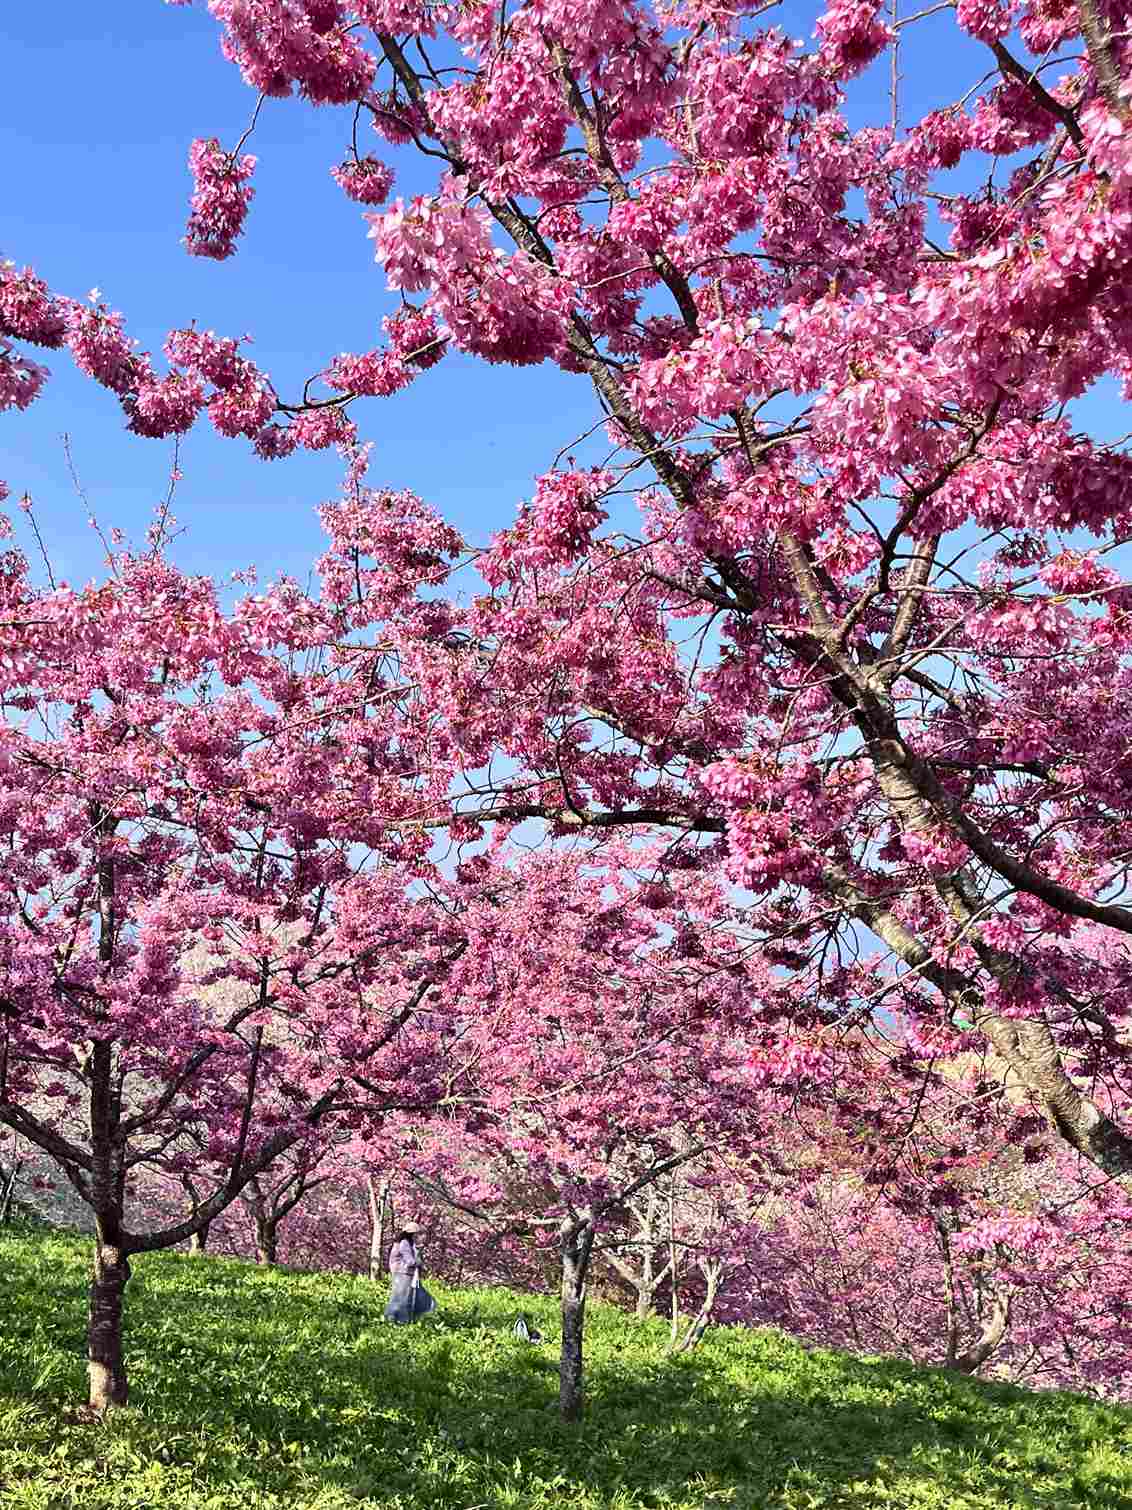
(273, 1389)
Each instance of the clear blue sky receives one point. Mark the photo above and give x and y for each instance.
(99, 107)
(100, 104)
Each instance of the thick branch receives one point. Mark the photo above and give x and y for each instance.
(1095, 32)
(1011, 66)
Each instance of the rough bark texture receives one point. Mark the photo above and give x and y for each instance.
(1029, 1049)
(1099, 44)
(108, 1385)
(198, 1242)
(576, 1241)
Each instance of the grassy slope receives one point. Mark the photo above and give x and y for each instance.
(254, 1389)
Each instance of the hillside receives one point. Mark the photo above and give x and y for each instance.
(263, 1390)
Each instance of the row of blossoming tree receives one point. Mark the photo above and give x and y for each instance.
(829, 750)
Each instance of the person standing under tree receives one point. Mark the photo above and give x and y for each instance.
(408, 1298)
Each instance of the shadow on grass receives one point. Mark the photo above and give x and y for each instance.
(290, 1385)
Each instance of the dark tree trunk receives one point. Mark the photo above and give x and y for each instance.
(266, 1241)
(108, 1384)
(111, 1273)
(198, 1242)
(575, 1242)
(8, 1192)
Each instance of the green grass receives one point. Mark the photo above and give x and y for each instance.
(279, 1391)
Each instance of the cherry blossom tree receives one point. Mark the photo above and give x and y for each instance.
(306, 1210)
(1032, 1291)
(854, 671)
(269, 1201)
(933, 1215)
(211, 836)
(685, 1247)
(868, 628)
(596, 1054)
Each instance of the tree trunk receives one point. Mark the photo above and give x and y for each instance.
(8, 1192)
(994, 1328)
(266, 1241)
(108, 1384)
(111, 1273)
(673, 1270)
(265, 1221)
(1026, 1046)
(649, 1280)
(992, 1325)
(378, 1200)
(575, 1241)
(198, 1241)
(951, 1294)
(713, 1271)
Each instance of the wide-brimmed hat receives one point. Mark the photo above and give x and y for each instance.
(411, 1227)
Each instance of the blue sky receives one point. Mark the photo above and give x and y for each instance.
(100, 105)
(94, 134)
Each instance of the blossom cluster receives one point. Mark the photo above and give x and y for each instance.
(220, 200)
